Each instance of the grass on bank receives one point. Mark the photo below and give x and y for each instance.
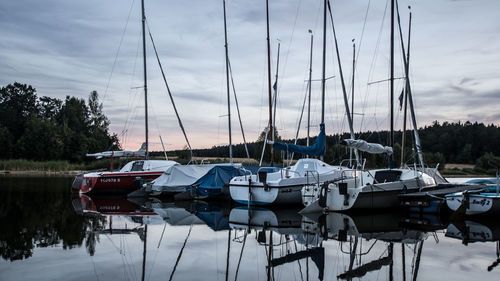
(62, 165)
(53, 166)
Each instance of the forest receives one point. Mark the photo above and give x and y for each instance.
(461, 143)
(45, 128)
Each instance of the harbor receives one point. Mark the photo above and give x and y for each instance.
(228, 140)
(75, 237)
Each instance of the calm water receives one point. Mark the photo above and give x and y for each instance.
(48, 234)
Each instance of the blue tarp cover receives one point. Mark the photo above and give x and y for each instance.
(213, 181)
(317, 148)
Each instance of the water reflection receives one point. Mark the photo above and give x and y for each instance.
(477, 230)
(148, 239)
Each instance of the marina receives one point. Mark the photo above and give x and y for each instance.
(94, 238)
(354, 161)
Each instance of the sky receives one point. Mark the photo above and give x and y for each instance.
(74, 47)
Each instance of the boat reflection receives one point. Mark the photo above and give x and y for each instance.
(279, 230)
(374, 235)
(281, 243)
(477, 230)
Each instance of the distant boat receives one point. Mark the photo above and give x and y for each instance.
(132, 175)
(478, 202)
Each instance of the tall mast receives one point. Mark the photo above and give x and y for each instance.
(353, 73)
(346, 102)
(392, 77)
(227, 86)
(309, 95)
(145, 77)
(403, 139)
(352, 92)
(269, 80)
(275, 88)
(323, 70)
(410, 99)
(144, 252)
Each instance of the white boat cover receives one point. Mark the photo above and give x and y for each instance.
(369, 147)
(176, 178)
(177, 216)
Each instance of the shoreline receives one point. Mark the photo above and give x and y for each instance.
(40, 173)
(76, 172)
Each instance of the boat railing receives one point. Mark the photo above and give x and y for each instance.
(246, 172)
(313, 173)
(287, 171)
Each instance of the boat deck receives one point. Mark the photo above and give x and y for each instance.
(438, 192)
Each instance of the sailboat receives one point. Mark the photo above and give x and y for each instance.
(205, 180)
(284, 186)
(134, 173)
(379, 188)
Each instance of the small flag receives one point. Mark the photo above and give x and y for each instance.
(401, 99)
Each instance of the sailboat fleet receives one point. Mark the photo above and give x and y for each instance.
(310, 182)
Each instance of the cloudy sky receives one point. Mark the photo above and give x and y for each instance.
(73, 47)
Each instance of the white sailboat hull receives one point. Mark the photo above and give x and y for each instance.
(365, 192)
(284, 186)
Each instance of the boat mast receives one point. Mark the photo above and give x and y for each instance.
(403, 138)
(271, 129)
(145, 78)
(144, 252)
(391, 81)
(346, 102)
(309, 95)
(275, 88)
(353, 73)
(323, 70)
(227, 86)
(352, 91)
(412, 108)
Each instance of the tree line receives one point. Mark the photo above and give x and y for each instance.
(48, 128)
(45, 128)
(460, 142)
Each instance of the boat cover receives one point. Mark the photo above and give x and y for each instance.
(177, 216)
(317, 148)
(369, 147)
(213, 216)
(213, 181)
(176, 178)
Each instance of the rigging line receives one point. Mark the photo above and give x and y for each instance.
(131, 111)
(161, 237)
(118, 51)
(362, 33)
(299, 122)
(170, 93)
(298, 261)
(348, 114)
(241, 254)
(180, 254)
(291, 40)
(372, 64)
(238, 108)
